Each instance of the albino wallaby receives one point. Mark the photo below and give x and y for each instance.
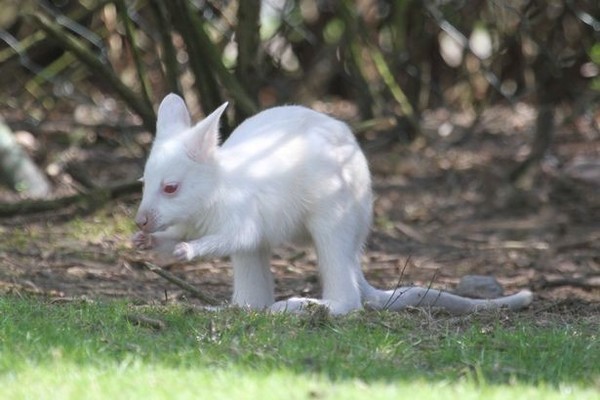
(288, 174)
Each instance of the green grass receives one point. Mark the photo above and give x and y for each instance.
(93, 351)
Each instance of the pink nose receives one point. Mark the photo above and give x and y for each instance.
(141, 220)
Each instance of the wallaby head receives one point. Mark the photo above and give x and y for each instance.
(180, 176)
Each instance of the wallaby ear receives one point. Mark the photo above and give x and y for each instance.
(173, 116)
(203, 139)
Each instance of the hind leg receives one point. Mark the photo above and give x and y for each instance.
(338, 247)
(253, 284)
(340, 290)
(339, 265)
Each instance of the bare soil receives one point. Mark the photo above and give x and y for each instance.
(444, 209)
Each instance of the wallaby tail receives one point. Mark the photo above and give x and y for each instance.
(413, 296)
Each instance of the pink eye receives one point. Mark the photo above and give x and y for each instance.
(170, 188)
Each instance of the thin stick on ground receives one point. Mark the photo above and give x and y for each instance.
(433, 278)
(390, 302)
(182, 284)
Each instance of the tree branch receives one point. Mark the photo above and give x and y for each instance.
(247, 35)
(207, 52)
(137, 59)
(169, 58)
(210, 97)
(103, 71)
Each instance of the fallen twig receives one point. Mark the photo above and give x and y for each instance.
(410, 232)
(142, 320)
(586, 282)
(181, 283)
(88, 201)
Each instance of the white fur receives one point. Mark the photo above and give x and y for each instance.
(288, 174)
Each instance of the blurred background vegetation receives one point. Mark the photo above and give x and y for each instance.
(77, 73)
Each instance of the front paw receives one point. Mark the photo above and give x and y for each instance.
(142, 240)
(184, 252)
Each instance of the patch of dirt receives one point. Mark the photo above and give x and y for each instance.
(444, 209)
